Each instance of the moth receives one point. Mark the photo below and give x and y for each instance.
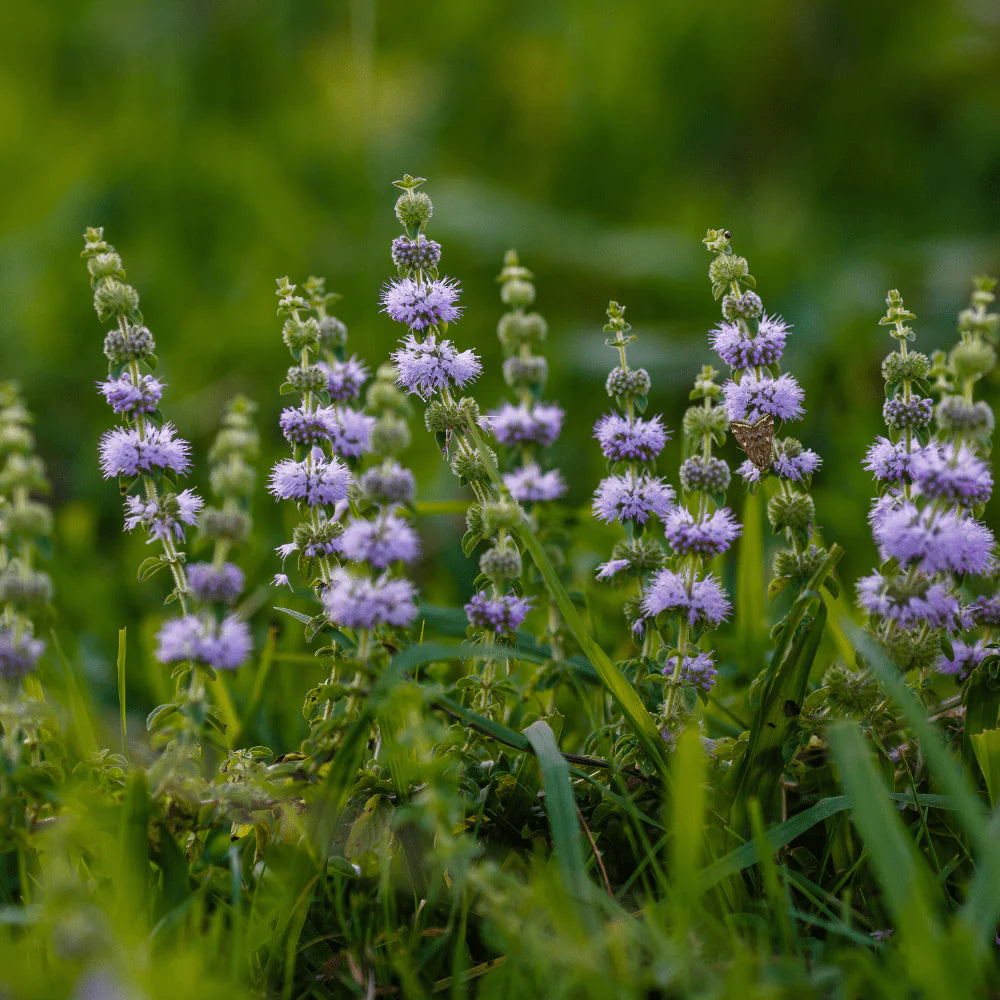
(756, 439)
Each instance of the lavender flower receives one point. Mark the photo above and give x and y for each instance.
(711, 535)
(530, 485)
(18, 653)
(421, 304)
(302, 426)
(388, 483)
(351, 433)
(610, 569)
(635, 440)
(935, 541)
(797, 467)
(964, 659)
(538, 424)
(913, 602)
(208, 582)
(988, 610)
(125, 396)
(420, 254)
(954, 473)
(428, 367)
(380, 542)
(503, 614)
(201, 639)
(318, 482)
(127, 452)
(163, 518)
(358, 602)
(739, 350)
(696, 671)
(632, 497)
(888, 461)
(755, 395)
(703, 602)
(345, 378)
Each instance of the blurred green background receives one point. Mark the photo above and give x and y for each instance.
(850, 146)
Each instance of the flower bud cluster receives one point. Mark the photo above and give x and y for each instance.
(931, 487)
(757, 397)
(147, 457)
(25, 525)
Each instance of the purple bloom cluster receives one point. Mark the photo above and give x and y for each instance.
(635, 440)
(739, 350)
(934, 541)
(418, 254)
(345, 378)
(900, 414)
(208, 582)
(987, 610)
(696, 671)
(359, 602)
(166, 517)
(316, 481)
(350, 432)
(430, 366)
(702, 602)
(19, 653)
(965, 658)
(201, 639)
(953, 473)
(610, 569)
(529, 484)
(921, 601)
(388, 483)
(302, 426)
(710, 535)
(129, 451)
(125, 396)
(632, 497)
(384, 540)
(503, 614)
(889, 462)
(755, 395)
(518, 425)
(420, 305)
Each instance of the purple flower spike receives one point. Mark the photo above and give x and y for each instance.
(385, 540)
(920, 602)
(964, 659)
(888, 462)
(538, 424)
(504, 614)
(18, 654)
(797, 467)
(632, 497)
(351, 433)
(421, 304)
(358, 602)
(209, 582)
(955, 474)
(164, 518)
(740, 351)
(427, 367)
(704, 603)
(696, 671)
(222, 646)
(754, 395)
(345, 378)
(635, 440)
(126, 452)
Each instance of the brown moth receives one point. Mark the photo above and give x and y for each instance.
(756, 439)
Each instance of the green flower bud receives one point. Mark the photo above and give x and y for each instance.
(701, 422)
(911, 650)
(233, 442)
(979, 324)
(135, 343)
(105, 265)
(390, 435)
(973, 421)
(500, 514)
(515, 329)
(896, 367)
(300, 334)
(414, 209)
(14, 437)
(517, 293)
(25, 522)
(745, 306)
(310, 379)
(854, 693)
(225, 525)
(383, 395)
(442, 417)
(332, 332)
(972, 359)
(710, 475)
(233, 479)
(788, 563)
(25, 471)
(474, 519)
(643, 554)
(624, 384)
(469, 467)
(501, 563)
(25, 589)
(114, 298)
(308, 536)
(727, 268)
(525, 371)
(791, 510)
